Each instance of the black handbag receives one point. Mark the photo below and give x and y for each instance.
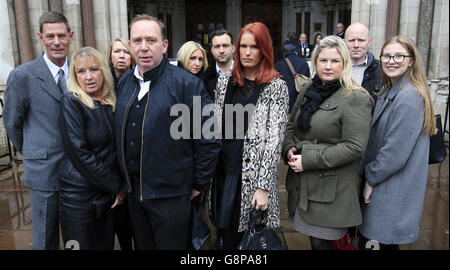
(437, 145)
(259, 236)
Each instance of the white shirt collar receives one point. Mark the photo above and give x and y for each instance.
(219, 71)
(54, 68)
(144, 86)
(363, 63)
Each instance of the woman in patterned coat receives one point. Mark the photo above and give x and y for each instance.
(246, 175)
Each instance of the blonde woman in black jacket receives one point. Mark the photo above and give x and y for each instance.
(90, 184)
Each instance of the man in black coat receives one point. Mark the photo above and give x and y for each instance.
(222, 49)
(164, 168)
(300, 66)
(366, 69)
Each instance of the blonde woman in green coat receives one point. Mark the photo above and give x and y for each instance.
(325, 138)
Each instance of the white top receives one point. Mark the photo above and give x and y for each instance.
(54, 68)
(144, 86)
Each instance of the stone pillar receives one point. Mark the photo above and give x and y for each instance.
(178, 27)
(439, 58)
(72, 11)
(55, 5)
(6, 44)
(87, 18)
(289, 18)
(408, 18)
(23, 31)
(361, 11)
(234, 17)
(424, 30)
(124, 32)
(102, 26)
(392, 18)
(377, 25)
(114, 19)
(35, 11)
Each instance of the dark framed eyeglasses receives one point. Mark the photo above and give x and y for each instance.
(399, 58)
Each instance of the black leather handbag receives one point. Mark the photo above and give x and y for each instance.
(260, 236)
(437, 145)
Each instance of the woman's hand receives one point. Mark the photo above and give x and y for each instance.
(296, 163)
(291, 153)
(119, 197)
(367, 192)
(194, 193)
(260, 199)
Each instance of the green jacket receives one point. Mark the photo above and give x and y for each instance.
(327, 191)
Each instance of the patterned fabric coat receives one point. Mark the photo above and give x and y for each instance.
(262, 146)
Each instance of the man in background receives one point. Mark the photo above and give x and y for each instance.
(222, 49)
(366, 69)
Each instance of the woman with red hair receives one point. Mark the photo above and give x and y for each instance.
(246, 175)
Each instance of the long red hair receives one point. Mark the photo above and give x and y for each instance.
(263, 41)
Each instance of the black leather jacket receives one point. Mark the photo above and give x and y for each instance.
(89, 170)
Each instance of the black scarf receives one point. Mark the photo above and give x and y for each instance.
(315, 95)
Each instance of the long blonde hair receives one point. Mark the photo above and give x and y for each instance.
(346, 78)
(108, 94)
(416, 74)
(188, 48)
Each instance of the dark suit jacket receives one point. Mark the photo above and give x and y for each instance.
(30, 117)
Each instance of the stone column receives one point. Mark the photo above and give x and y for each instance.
(23, 31)
(424, 30)
(439, 58)
(377, 25)
(55, 5)
(124, 32)
(392, 18)
(7, 28)
(408, 18)
(102, 26)
(35, 11)
(234, 17)
(361, 11)
(87, 18)
(178, 27)
(114, 19)
(72, 11)
(289, 18)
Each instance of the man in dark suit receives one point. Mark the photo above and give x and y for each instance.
(30, 116)
(304, 47)
(222, 49)
(300, 66)
(340, 30)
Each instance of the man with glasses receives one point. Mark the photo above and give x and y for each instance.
(30, 116)
(366, 69)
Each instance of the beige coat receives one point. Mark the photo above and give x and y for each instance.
(262, 146)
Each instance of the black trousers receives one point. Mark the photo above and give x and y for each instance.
(122, 225)
(160, 224)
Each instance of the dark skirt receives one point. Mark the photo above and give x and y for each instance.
(225, 199)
